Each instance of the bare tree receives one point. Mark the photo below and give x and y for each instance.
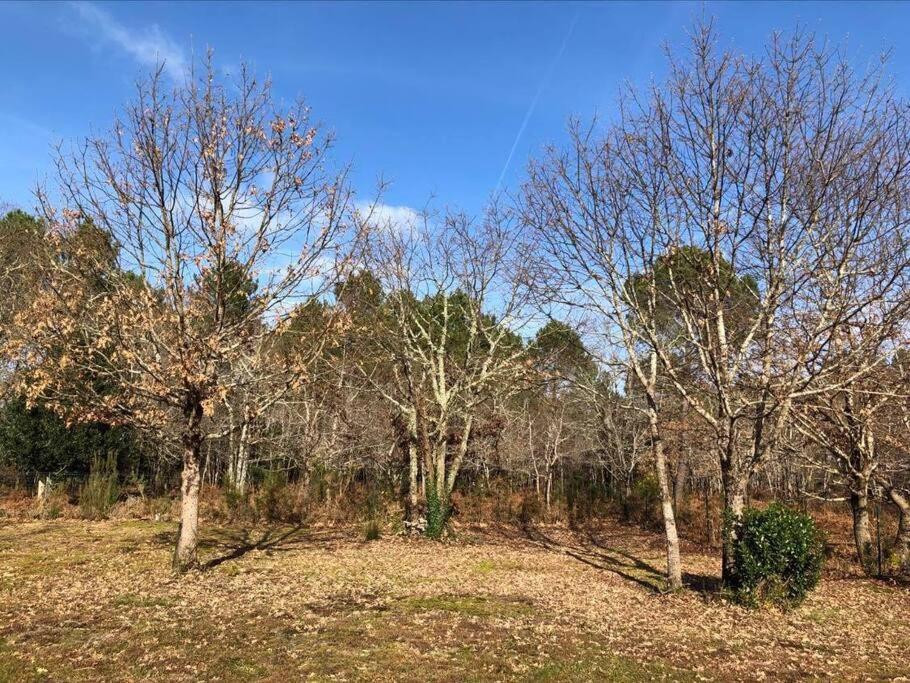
(202, 189)
(622, 434)
(447, 330)
(573, 204)
(733, 221)
(848, 420)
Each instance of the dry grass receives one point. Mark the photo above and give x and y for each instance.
(95, 601)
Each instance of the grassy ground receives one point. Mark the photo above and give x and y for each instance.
(95, 601)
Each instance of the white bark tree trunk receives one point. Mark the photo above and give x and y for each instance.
(734, 485)
(413, 492)
(902, 545)
(44, 488)
(674, 564)
(185, 557)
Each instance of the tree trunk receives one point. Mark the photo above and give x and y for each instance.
(674, 565)
(439, 467)
(862, 534)
(734, 504)
(460, 453)
(549, 487)
(188, 532)
(902, 544)
(437, 509)
(679, 482)
(413, 493)
(437, 501)
(44, 489)
(240, 470)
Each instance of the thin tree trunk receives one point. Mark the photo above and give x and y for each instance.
(902, 544)
(674, 565)
(439, 468)
(413, 493)
(679, 482)
(549, 486)
(455, 468)
(242, 457)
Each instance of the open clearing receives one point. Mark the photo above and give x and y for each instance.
(96, 601)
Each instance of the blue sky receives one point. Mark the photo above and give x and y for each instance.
(434, 97)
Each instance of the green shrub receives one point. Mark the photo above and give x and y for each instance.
(100, 492)
(778, 556)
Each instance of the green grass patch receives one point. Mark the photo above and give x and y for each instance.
(484, 567)
(236, 668)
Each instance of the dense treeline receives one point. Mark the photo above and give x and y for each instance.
(709, 297)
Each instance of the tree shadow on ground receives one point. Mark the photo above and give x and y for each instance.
(596, 552)
(702, 583)
(232, 544)
(236, 544)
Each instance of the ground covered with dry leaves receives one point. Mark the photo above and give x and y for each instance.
(96, 601)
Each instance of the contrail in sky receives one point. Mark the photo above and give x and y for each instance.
(543, 84)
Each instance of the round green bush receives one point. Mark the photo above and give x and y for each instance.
(778, 555)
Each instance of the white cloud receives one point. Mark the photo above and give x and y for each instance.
(402, 219)
(148, 46)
